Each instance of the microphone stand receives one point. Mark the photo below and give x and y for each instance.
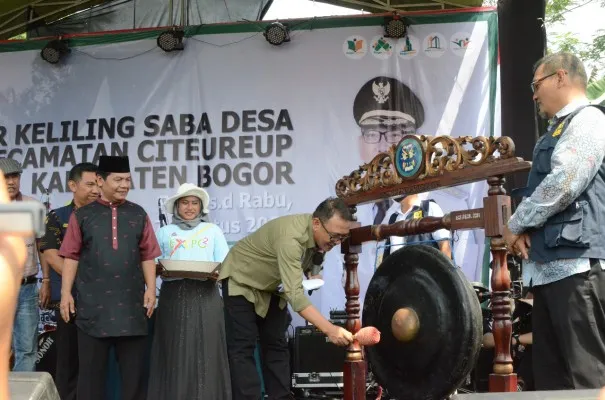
(317, 260)
(162, 216)
(47, 202)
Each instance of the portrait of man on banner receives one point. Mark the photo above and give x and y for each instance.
(385, 109)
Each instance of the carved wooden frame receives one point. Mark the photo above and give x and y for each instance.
(447, 162)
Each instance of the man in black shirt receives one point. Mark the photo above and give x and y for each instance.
(110, 250)
(82, 183)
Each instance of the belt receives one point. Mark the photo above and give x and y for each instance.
(29, 279)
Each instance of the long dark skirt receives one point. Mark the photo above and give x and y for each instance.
(189, 352)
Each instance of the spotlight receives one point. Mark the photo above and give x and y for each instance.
(171, 40)
(54, 51)
(277, 33)
(394, 27)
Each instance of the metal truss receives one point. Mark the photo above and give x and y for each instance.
(17, 16)
(379, 6)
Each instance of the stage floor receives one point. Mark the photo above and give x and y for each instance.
(592, 394)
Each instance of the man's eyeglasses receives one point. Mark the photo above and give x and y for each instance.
(373, 136)
(334, 237)
(535, 85)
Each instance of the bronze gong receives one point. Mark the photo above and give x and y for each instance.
(430, 322)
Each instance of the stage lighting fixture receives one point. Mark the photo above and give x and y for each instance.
(54, 51)
(277, 33)
(394, 27)
(171, 40)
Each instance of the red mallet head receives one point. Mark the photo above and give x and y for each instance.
(368, 336)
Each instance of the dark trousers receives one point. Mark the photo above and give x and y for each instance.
(569, 332)
(66, 375)
(93, 355)
(244, 328)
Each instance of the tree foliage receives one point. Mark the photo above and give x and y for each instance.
(22, 36)
(592, 53)
(596, 91)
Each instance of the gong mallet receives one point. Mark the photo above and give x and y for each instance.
(368, 336)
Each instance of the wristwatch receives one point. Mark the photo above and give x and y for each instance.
(517, 346)
(515, 341)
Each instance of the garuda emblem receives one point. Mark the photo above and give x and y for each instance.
(381, 91)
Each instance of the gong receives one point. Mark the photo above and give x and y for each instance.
(430, 322)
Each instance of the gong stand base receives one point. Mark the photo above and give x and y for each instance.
(502, 383)
(354, 371)
(355, 374)
(497, 205)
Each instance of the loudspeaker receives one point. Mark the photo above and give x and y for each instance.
(313, 352)
(32, 386)
(46, 357)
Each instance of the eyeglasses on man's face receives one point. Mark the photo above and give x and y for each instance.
(374, 135)
(535, 85)
(334, 237)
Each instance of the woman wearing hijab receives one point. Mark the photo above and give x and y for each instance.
(189, 352)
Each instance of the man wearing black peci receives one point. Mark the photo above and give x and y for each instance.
(110, 250)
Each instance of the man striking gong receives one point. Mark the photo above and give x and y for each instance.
(276, 254)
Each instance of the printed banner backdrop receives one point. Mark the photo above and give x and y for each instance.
(267, 130)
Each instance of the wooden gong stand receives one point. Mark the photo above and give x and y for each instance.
(443, 162)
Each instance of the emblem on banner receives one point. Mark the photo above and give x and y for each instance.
(381, 91)
(434, 45)
(460, 42)
(408, 47)
(409, 157)
(382, 48)
(355, 47)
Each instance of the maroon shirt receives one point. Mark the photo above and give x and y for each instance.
(109, 241)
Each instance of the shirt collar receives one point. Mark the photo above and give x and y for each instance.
(416, 203)
(106, 203)
(18, 197)
(311, 239)
(571, 107)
